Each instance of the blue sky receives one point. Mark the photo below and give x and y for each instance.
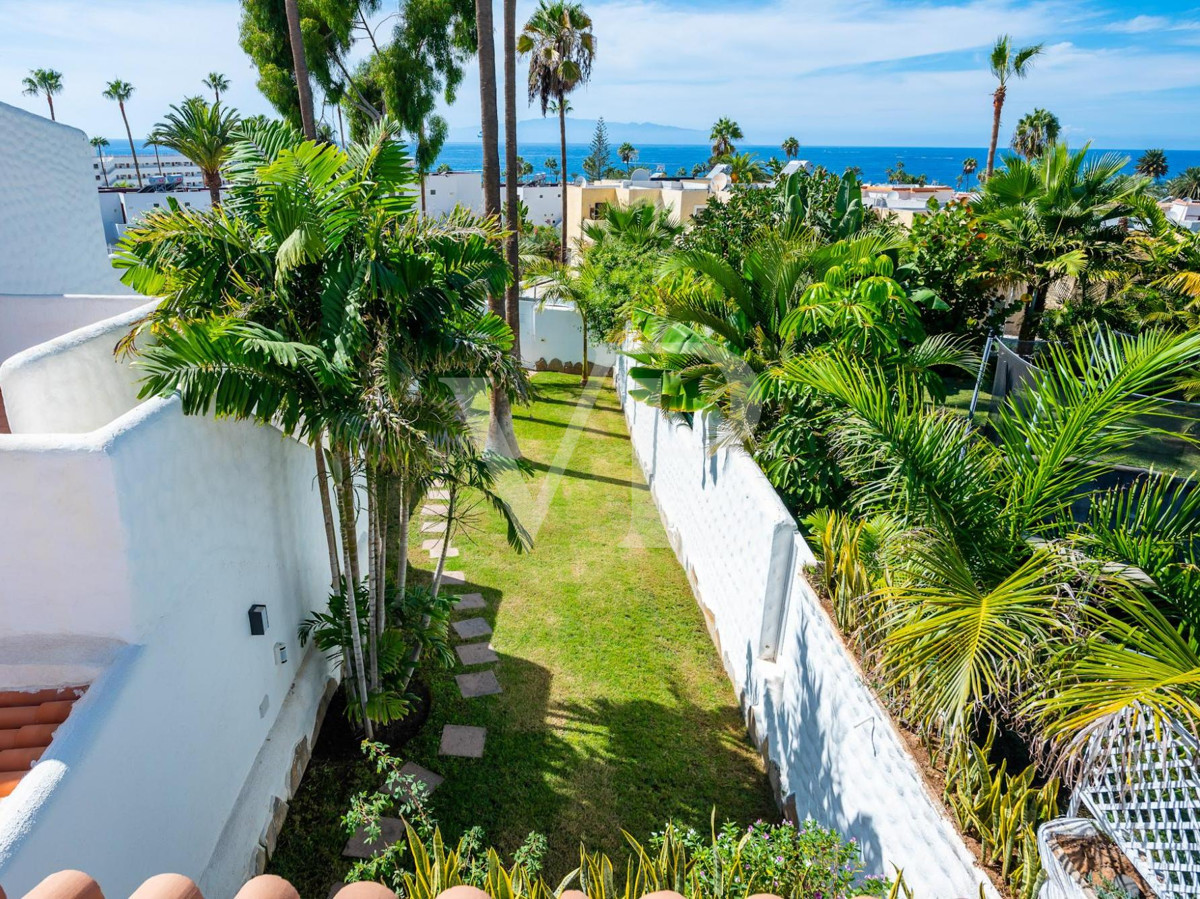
(876, 72)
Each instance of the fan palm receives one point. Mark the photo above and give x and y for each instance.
(1006, 63)
(1060, 215)
(790, 147)
(204, 134)
(121, 91)
(561, 47)
(969, 166)
(43, 82)
(215, 82)
(1035, 132)
(100, 143)
(1152, 164)
(1186, 184)
(724, 132)
(627, 153)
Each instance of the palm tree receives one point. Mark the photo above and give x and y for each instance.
(551, 165)
(744, 169)
(121, 91)
(1006, 64)
(724, 132)
(1186, 184)
(300, 68)
(512, 178)
(43, 81)
(157, 157)
(100, 143)
(560, 44)
(1035, 132)
(204, 134)
(1059, 216)
(970, 164)
(1152, 164)
(216, 82)
(790, 147)
(627, 153)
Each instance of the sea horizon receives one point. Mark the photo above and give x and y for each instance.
(941, 165)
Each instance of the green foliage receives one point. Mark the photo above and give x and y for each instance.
(831, 206)
(897, 174)
(1035, 132)
(1186, 183)
(948, 254)
(1002, 810)
(731, 228)
(202, 132)
(561, 47)
(724, 132)
(599, 159)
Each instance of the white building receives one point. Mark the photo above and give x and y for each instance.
(133, 543)
(1184, 212)
(121, 207)
(114, 169)
(905, 201)
(544, 203)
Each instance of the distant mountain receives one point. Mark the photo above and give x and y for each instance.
(579, 131)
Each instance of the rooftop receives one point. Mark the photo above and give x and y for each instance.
(28, 721)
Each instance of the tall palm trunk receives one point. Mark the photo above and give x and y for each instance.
(341, 126)
(372, 579)
(441, 563)
(350, 566)
(212, 180)
(512, 295)
(335, 574)
(1031, 318)
(584, 379)
(405, 523)
(158, 161)
(562, 147)
(997, 108)
(50, 100)
(129, 134)
(421, 137)
(300, 67)
(501, 436)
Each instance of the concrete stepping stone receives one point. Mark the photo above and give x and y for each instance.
(436, 552)
(453, 578)
(476, 654)
(434, 510)
(391, 830)
(432, 543)
(469, 602)
(420, 775)
(442, 494)
(433, 527)
(472, 628)
(463, 741)
(478, 683)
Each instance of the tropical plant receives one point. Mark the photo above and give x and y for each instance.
(314, 299)
(200, 132)
(897, 174)
(1035, 132)
(121, 91)
(1152, 164)
(832, 207)
(744, 168)
(1186, 183)
(970, 164)
(559, 42)
(1006, 63)
(215, 82)
(790, 147)
(1062, 215)
(45, 83)
(724, 132)
(627, 153)
(100, 143)
(551, 165)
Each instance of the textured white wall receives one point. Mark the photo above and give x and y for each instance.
(160, 531)
(556, 332)
(26, 321)
(544, 204)
(51, 236)
(444, 192)
(833, 751)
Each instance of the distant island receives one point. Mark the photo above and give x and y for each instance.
(579, 131)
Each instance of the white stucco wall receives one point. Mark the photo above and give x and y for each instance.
(544, 204)
(833, 753)
(552, 331)
(51, 236)
(27, 320)
(444, 192)
(152, 536)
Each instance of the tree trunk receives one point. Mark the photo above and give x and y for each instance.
(50, 100)
(349, 558)
(300, 69)
(129, 134)
(441, 563)
(372, 580)
(584, 380)
(212, 180)
(562, 146)
(158, 162)
(335, 574)
(512, 296)
(1031, 319)
(341, 126)
(997, 107)
(402, 541)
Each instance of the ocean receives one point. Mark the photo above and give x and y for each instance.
(942, 165)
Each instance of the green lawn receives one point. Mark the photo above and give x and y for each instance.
(616, 712)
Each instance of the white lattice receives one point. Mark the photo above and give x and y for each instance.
(1144, 790)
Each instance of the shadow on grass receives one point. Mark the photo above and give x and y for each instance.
(586, 475)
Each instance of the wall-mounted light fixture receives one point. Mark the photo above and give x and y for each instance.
(258, 619)
(280, 654)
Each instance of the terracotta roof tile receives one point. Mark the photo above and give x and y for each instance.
(28, 721)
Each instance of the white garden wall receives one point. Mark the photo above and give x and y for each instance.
(832, 751)
(29, 319)
(137, 549)
(551, 331)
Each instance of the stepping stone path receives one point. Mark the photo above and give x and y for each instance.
(469, 602)
(439, 494)
(391, 830)
(476, 654)
(433, 527)
(472, 628)
(463, 741)
(453, 578)
(478, 683)
(436, 552)
(434, 510)
(420, 775)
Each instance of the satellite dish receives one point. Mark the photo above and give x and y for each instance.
(720, 181)
(581, 181)
(640, 175)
